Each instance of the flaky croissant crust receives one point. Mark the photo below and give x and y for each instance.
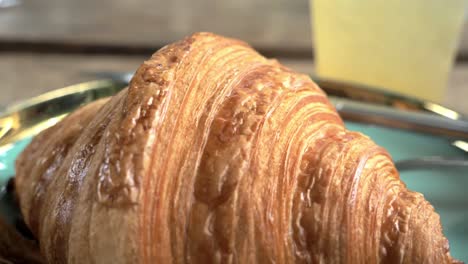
(214, 154)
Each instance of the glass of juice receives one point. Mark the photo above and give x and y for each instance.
(404, 46)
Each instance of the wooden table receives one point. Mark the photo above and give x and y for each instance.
(49, 44)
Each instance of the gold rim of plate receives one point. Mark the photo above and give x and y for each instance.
(29, 117)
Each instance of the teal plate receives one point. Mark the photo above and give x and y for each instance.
(446, 190)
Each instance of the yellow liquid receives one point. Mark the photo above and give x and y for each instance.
(405, 46)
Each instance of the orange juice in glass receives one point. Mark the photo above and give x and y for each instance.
(405, 46)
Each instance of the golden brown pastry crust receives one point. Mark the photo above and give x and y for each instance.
(215, 154)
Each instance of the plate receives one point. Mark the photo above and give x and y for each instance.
(446, 189)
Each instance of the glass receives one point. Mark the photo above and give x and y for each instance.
(405, 46)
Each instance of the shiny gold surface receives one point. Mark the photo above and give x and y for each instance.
(461, 145)
(364, 93)
(27, 118)
(442, 110)
(30, 117)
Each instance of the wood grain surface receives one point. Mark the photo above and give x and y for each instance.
(275, 26)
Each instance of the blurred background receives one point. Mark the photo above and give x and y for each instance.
(49, 44)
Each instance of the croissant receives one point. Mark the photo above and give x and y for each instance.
(215, 154)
